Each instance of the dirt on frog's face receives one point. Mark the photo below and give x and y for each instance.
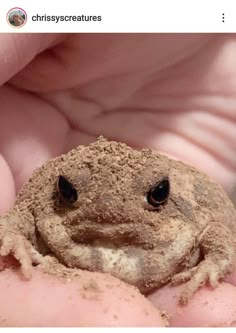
(137, 215)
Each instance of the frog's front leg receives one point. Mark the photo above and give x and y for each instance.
(13, 240)
(219, 258)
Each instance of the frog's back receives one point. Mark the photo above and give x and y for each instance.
(208, 200)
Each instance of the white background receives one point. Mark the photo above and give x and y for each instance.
(127, 15)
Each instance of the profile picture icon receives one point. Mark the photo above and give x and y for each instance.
(16, 17)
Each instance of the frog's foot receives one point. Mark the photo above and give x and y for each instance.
(182, 277)
(207, 271)
(22, 250)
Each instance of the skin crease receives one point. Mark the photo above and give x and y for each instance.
(178, 92)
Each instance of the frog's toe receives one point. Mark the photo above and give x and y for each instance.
(206, 271)
(22, 250)
(182, 277)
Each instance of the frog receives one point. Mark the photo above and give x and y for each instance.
(137, 215)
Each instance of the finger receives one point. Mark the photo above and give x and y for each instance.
(38, 140)
(208, 307)
(7, 186)
(18, 50)
(90, 300)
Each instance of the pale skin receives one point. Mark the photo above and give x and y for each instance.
(176, 95)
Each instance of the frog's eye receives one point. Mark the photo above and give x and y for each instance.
(66, 190)
(160, 193)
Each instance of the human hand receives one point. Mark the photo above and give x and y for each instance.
(173, 93)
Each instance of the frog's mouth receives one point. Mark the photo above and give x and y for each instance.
(116, 249)
(110, 235)
(94, 248)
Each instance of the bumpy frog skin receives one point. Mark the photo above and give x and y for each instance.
(137, 215)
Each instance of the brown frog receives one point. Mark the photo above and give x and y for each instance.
(138, 215)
